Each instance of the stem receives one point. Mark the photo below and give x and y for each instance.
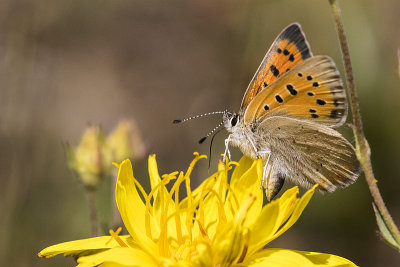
(91, 198)
(398, 58)
(116, 217)
(362, 146)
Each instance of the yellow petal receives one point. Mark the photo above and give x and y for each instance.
(244, 164)
(212, 210)
(153, 171)
(74, 248)
(228, 244)
(124, 256)
(232, 237)
(287, 204)
(190, 203)
(288, 258)
(108, 264)
(301, 205)
(248, 184)
(160, 193)
(132, 208)
(272, 216)
(204, 256)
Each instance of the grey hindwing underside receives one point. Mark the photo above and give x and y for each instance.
(308, 153)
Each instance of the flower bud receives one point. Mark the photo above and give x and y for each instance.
(125, 142)
(89, 159)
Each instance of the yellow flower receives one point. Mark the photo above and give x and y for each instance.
(125, 141)
(217, 224)
(89, 159)
(92, 158)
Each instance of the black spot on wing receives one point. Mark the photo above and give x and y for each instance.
(336, 102)
(313, 115)
(291, 89)
(291, 57)
(336, 113)
(279, 98)
(274, 70)
(321, 102)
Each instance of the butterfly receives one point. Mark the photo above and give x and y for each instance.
(288, 115)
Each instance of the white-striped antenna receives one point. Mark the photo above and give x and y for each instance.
(210, 133)
(199, 116)
(213, 131)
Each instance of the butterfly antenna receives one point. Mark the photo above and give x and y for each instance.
(212, 139)
(210, 133)
(199, 116)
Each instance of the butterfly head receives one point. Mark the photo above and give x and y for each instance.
(230, 120)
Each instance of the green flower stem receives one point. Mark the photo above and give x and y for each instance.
(362, 146)
(116, 217)
(91, 198)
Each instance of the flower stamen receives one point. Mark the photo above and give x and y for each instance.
(163, 245)
(175, 190)
(114, 235)
(202, 230)
(189, 191)
(149, 208)
(246, 235)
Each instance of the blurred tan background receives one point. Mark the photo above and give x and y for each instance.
(65, 64)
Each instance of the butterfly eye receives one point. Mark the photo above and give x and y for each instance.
(234, 120)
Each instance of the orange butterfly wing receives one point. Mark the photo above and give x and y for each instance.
(288, 50)
(312, 90)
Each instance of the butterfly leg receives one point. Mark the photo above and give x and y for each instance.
(272, 181)
(227, 152)
(264, 154)
(261, 153)
(254, 147)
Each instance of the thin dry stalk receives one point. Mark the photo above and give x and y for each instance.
(362, 146)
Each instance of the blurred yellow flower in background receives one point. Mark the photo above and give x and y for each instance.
(92, 158)
(217, 224)
(125, 141)
(89, 159)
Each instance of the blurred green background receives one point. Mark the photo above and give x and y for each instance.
(65, 64)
